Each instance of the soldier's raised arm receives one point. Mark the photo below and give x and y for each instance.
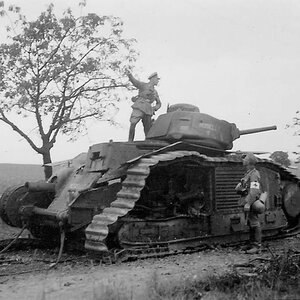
(138, 84)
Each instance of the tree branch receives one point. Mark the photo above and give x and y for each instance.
(59, 113)
(85, 55)
(36, 106)
(19, 131)
(30, 61)
(105, 87)
(54, 51)
(60, 106)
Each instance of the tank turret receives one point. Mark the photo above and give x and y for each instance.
(184, 122)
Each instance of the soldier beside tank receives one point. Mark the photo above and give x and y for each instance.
(142, 108)
(250, 190)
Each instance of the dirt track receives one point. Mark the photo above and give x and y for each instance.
(80, 279)
(83, 282)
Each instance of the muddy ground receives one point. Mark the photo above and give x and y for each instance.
(80, 278)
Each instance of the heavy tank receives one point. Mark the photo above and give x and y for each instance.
(171, 192)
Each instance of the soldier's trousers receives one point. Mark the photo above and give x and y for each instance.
(135, 117)
(255, 235)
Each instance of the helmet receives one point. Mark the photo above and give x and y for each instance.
(259, 205)
(250, 159)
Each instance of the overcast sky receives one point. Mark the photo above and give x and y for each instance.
(236, 60)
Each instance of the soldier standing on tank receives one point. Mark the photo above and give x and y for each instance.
(141, 108)
(251, 186)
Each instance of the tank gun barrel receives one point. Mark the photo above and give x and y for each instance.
(255, 130)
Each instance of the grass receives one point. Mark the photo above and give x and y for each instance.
(114, 291)
(277, 279)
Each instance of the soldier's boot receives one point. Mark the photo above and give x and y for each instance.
(251, 240)
(256, 246)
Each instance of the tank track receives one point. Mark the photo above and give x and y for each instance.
(136, 175)
(132, 186)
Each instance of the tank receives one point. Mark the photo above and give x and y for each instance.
(171, 192)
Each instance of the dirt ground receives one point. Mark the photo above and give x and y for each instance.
(80, 278)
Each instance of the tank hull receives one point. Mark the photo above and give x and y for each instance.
(160, 215)
(164, 197)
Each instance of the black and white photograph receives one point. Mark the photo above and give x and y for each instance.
(149, 149)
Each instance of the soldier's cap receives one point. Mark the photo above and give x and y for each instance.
(250, 159)
(153, 75)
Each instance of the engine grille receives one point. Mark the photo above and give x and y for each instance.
(227, 177)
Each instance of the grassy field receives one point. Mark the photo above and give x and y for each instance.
(12, 174)
(276, 278)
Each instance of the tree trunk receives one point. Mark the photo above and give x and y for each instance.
(47, 160)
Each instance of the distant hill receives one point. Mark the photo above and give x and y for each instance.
(12, 174)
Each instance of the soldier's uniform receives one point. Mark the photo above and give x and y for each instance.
(142, 108)
(252, 184)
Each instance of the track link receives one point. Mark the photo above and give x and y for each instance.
(132, 186)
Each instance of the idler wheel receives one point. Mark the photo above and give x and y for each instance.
(15, 197)
(10, 202)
